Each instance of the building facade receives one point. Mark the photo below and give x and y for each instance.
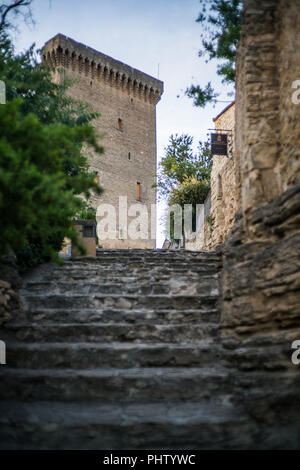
(126, 100)
(217, 217)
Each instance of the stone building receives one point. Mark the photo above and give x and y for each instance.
(220, 219)
(221, 203)
(126, 99)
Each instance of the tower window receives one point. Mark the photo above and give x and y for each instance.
(138, 191)
(129, 156)
(91, 84)
(96, 179)
(120, 124)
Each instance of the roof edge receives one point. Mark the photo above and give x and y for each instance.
(224, 110)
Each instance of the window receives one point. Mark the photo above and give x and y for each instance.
(129, 156)
(88, 231)
(120, 125)
(96, 179)
(138, 191)
(91, 84)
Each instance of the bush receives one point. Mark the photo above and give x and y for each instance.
(38, 197)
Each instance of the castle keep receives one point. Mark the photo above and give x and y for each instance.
(126, 99)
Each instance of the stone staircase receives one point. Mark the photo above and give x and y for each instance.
(121, 351)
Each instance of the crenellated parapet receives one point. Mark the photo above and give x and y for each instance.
(62, 51)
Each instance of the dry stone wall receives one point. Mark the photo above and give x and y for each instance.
(261, 256)
(220, 218)
(223, 197)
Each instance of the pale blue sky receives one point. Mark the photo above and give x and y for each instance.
(143, 34)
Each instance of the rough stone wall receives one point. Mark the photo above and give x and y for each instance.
(267, 123)
(261, 275)
(126, 100)
(288, 167)
(10, 282)
(223, 197)
(223, 191)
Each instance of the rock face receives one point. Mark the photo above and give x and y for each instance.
(261, 315)
(261, 277)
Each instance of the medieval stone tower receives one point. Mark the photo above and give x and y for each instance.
(126, 99)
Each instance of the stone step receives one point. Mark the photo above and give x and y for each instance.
(116, 332)
(127, 276)
(267, 357)
(109, 385)
(152, 256)
(157, 252)
(191, 255)
(120, 355)
(174, 425)
(144, 265)
(108, 315)
(139, 263)
(121, 301)
(207, 285)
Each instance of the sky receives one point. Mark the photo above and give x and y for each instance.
(158, 37)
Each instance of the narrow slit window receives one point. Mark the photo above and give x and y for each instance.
(129, 156)
(120, 124)
(138, 191)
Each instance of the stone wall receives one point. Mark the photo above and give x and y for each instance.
(261, 272)
(10, 282)
(219, 221)
(267, 143)
(223, 197)
(126, 99)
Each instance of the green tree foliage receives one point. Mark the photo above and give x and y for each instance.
(42, 166)
(220, 22)
(86, 212)
(37, 198)
(180, 162)
(184, 176)
(25, 77)
(191, 191)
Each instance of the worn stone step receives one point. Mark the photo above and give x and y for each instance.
(255, 357)
(126, 276)
(155, 252)
(207, 285)
(122, 281)
(206, 255)
(120, 301)
(120, 355)
(107, 272)
(116, 332)
(108, 385)
(174, 425)
(108, 315)
(160, 256)
(144, 265)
